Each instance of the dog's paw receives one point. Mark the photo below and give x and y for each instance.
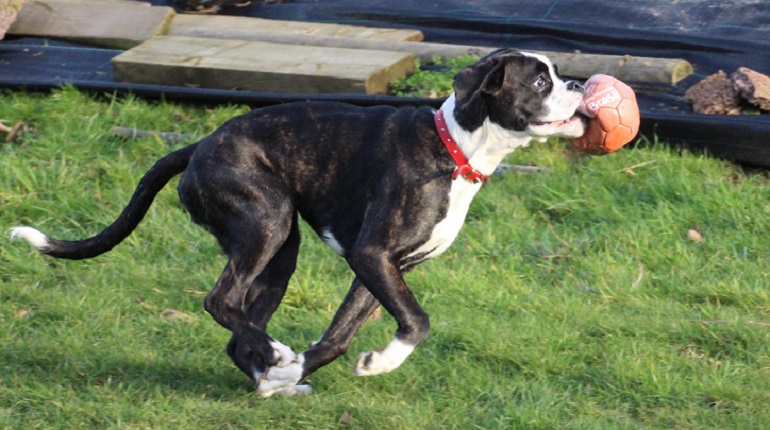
(294, 390)
(283, 353)
(283, 380)
(384, 360)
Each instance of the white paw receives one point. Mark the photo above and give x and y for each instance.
(283, 353)
(384, 360)
(294, 390)
(283, 380)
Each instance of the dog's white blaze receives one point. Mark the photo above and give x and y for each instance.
(485, 148)
(562, 102)
(33, 236)
(385, 360)
(444, 233)
(329, 239)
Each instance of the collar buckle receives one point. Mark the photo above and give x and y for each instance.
(469, 173)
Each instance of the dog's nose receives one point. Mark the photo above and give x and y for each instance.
(575, 86)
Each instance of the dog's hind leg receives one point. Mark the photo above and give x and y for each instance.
(253, 231)
(268, 289)
(263, 298)
(271, 364)
(350, 316)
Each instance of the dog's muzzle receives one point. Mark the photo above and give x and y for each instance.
(576, 86)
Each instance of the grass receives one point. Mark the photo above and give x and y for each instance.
(571, 300)
(433, 79)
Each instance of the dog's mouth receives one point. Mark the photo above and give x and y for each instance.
(557, 123)
(573, 126)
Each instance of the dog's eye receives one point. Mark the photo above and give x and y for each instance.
(541, 83)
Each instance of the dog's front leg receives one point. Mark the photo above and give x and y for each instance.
(350, 316)
(383, 278)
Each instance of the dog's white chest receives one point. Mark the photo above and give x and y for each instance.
(444, 233)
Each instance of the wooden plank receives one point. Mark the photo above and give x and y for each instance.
(112, 24)
(630, 68)
(575, 65)
(9, 9)
(235, 27)
(135, 3)
(260, 66)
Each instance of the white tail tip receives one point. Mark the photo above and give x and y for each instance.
(31, 235)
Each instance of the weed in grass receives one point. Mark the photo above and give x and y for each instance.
(571, 299)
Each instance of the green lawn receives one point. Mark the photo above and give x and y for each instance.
(571, 299)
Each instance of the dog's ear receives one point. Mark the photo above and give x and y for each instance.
(473, 82)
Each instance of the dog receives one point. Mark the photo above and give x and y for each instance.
(386, 188)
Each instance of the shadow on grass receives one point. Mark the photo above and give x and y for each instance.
(214, 377)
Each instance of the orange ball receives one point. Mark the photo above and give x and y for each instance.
(613, 115)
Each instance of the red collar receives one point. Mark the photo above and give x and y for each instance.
(463, 168)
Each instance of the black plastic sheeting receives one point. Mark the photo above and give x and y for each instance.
(712, 35)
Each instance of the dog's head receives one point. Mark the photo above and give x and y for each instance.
(519, 91)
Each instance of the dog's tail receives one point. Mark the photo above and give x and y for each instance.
(149, 186)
